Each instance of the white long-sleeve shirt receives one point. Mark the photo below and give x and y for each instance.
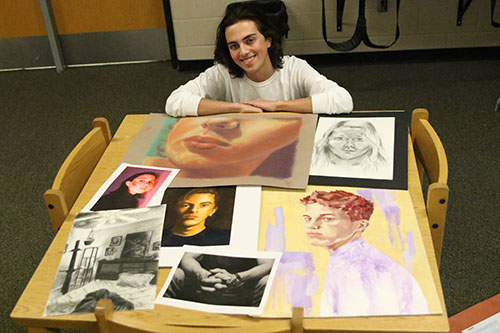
(297, 79)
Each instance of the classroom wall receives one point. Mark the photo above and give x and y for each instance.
(21, 18)
(91, 31)
(424, 24)
(94, 31)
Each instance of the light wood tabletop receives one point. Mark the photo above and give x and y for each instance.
(29, 309)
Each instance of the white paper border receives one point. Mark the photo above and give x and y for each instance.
(226, 309)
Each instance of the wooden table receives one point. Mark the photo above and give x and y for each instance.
(28, 311)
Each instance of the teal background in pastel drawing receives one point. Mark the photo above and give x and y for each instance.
(157, 147)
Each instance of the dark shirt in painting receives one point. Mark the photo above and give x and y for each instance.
(208, 236)
(118, 199)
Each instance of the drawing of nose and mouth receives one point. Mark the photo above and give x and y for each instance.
(314, 234)
(225, 129)
(313, 230)
(221, 124)
(349, 147)
(204, 142)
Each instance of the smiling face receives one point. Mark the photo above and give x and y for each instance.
(221, 146)
(249, 50)
(196, 208)
(330, 227)
(141, 184)
(349, 142)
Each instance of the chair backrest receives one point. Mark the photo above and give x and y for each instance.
(104, 314)
(431, 160)
(75, 171)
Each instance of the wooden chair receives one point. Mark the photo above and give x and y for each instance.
(75, 172)
(431, 160)
(106, 324)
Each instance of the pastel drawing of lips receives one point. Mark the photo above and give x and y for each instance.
(314, 234)
(204, 142)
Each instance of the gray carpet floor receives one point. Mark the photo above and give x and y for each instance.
(43, 115)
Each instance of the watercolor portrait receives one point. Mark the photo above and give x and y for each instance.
(347, 252)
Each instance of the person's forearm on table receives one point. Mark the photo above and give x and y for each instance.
(301, 105)
(210, 106)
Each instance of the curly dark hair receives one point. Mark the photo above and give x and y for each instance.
(266, 28)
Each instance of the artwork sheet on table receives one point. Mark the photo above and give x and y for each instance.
(230, 215)
(361, 149)
(230, 149)
(219, 289)
(132, 186)
(109, 254)
(384, 272)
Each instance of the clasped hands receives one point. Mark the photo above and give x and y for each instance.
(218, 279)
(258, 105)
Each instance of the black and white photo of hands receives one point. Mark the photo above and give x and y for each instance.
(218, 279)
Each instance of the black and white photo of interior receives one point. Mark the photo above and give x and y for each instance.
(110, 254)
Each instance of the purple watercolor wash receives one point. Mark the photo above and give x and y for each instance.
(389, 208)
(275, 234)
(297, 271)
(392, 214)
(409, 254)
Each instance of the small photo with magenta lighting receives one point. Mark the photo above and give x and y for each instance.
(132, 186)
